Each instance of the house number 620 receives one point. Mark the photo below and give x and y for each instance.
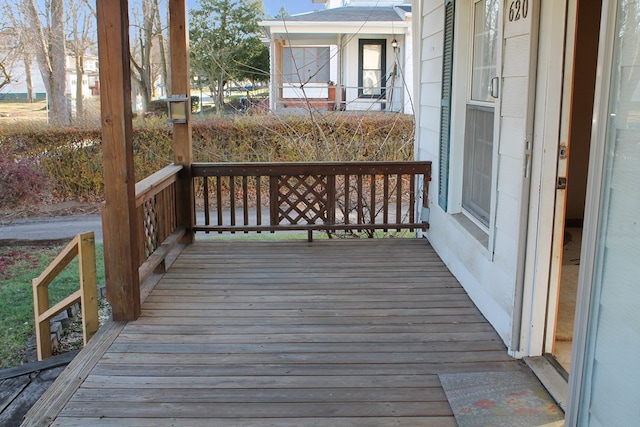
(518, 9)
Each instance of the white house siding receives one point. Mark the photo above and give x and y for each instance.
(428, 114)
(18, 85)
(486, 267)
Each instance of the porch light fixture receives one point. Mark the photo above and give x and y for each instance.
(394, 44)
(178, 108)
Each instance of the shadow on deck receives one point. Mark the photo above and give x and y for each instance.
(274, 333)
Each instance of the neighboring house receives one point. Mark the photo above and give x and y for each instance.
(530, 112)
(15, 65)
(90, 78)
(354, 55)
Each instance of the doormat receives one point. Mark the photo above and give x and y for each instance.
(500, 399)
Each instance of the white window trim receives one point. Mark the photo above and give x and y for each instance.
(304, 46)
(460, 97)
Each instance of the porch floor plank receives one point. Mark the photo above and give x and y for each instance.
(264, 333)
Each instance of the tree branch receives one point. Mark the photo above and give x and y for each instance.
(6, 78)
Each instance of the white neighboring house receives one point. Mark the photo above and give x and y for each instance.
(15, 66)
(353, 55)
(90, 78)
(530, 113)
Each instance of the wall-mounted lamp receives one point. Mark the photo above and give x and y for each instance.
(178, 108)
(394, 44)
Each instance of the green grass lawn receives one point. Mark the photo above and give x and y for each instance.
(19, 106)
(18, 265)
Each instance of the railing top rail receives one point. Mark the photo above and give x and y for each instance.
(156, 182)
(299, 168)
(63, 259)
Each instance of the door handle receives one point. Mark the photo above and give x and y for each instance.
(495, 87)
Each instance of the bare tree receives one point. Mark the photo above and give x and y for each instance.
(79, 42)
(5, 78)
(164, 66)
(13, 47)
(143, 69)
(48, 40)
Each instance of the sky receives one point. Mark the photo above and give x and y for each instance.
(272, 7)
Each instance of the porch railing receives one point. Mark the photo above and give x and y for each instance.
(338, 98)
(269, 197)
(156, 210)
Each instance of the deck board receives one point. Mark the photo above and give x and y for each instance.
(262, 333)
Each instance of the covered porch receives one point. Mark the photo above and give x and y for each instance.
(215, 332)
(283, 333)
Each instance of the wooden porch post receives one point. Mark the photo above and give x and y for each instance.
(119, 215)
(181, 85)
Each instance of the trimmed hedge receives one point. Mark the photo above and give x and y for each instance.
(71, 158)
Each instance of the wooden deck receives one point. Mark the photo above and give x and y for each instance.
(263, 333)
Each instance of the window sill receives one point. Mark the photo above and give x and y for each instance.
(476, 232)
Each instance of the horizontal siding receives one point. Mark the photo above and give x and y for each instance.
(506, 245)
(516, 57)
(430, 94)
(431, 71)
(512, 129)
(430, 121)
(507, 226)
(488, 274)
(433, 21)
(432, 46)
(514, 97)
(510, 178)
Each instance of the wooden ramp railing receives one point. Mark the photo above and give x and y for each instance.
(82, 246)
(360, 196)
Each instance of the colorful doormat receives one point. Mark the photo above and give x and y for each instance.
(500, 399)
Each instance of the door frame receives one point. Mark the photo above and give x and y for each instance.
(535, 269)
(555, 268)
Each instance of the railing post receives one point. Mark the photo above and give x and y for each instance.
(273, 200)
(88, 285)
(182, 147)
(43, 329)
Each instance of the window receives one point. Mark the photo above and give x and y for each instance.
(477, 182)
(371, 68)
(306, 64)
(478, 156)
(485, 49)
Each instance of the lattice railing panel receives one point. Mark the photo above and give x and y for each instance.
(150, 225)
(303, 198)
